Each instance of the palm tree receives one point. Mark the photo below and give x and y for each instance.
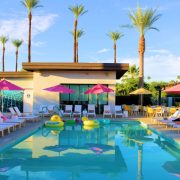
(79, 34)
(17, 43)
(115, 36)
(77, 11)
(30, 5)
(3, 40)
(143, 21)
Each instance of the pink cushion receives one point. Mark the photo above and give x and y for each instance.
(4, 118)
(107, 111)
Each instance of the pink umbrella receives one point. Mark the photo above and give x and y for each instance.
(174, 90)
(60, 89)
(6, 85)
(98, 89)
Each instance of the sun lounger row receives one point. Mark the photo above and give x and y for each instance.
(68, 111)
(173, 121)
(9, 124)
(15, 112)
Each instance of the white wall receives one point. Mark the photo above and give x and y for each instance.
(47, 79)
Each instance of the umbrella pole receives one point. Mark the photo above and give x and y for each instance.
(2, 102)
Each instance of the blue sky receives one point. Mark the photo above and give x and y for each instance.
(52, 41)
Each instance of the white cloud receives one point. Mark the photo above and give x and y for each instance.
(17, 28)
(103, 51)
(160, 51)
(160, 66)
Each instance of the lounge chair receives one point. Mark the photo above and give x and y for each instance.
(68, 111)
(9, 125)
(21, 122)
(107, 111)
(118, 111)
(3, 129)
(91, 110)
(25, 116)
(170, 119)
(77, 110)
(43, 111)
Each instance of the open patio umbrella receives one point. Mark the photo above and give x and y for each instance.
(173, 90)
(6, 85)
(60, 89)
(140, 91)
(98, 89)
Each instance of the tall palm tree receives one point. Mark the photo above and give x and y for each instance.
(143, 21)
(79, 34)
(17, 43)
(30, 5)
(115, 36)
(77, 10)
(3, 40)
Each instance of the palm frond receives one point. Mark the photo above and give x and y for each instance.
(31, 4)
(143, 20)
(79, 33)
(78, 10)
(4, 39)
(115, 35)
(17, 43)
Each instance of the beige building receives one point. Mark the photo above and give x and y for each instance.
(77, 76)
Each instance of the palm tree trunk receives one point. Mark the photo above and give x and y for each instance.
(3, 58)
(16, 60)
(75, 39)
(29, 38)
(77, 51)
(141, 64)
(114, 52)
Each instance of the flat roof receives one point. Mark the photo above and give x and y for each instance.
(19, 74)
(120, 68)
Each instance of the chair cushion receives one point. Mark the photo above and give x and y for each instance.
(68, 111)
(91, 111)
(107, 111)
(118, 112)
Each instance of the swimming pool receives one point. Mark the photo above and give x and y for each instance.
(123, 150)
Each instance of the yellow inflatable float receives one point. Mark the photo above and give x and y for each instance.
(87, 122)
(54, 122)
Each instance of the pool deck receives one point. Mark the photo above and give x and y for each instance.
(169, 132)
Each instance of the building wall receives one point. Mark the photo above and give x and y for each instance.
(34, 95)
(47, 79)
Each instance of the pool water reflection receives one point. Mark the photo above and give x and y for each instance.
(116, 151)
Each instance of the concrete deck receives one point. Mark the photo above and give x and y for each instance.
(170, 132)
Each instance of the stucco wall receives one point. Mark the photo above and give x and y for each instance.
(46, 79)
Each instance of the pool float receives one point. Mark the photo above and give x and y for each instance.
(104, 121)
(53, 124)
(84, 118)
(56, 118)
(70, 121)
(91, 123)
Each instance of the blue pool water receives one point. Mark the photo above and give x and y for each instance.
(119, 151)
